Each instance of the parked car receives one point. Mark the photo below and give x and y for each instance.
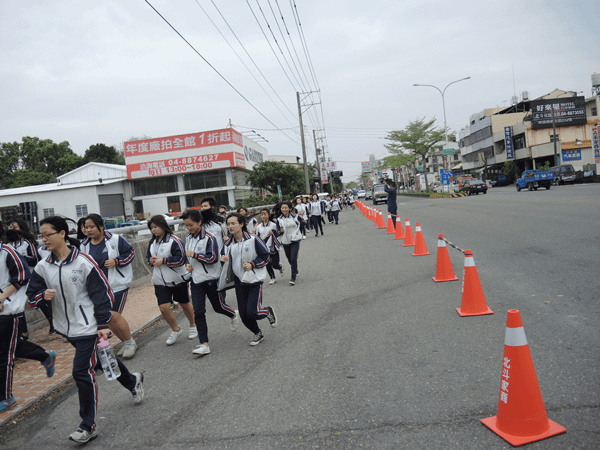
(474, 187)
(379, 194)
(435, 185)
(502, 180)
(563, 174)
(533, 179)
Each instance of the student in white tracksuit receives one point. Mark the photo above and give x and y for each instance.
(315, 211)
(288, 227)
(203, 256)
(247, 255)
(166, 254)
(267, 231)
(81, 300)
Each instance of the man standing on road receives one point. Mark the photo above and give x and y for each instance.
(390, 188)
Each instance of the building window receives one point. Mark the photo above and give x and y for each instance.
(519, 141)
(81, 210)
(594, 111)
(48, 212)
(153, 186)
(205, 180)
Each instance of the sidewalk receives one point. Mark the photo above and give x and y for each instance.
(30, 383)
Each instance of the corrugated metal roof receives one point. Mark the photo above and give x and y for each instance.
(55, 187)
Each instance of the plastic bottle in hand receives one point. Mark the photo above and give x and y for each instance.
(108, 360)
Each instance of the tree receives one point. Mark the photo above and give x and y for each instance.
(413, 143)
(103, 154)
(352, 185)
(511, 169)
(22, 177)
(10, 153)
(270, 174)
(46, 156)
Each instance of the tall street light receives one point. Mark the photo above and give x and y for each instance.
(443, 102)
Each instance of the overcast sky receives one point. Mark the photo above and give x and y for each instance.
(103, 72)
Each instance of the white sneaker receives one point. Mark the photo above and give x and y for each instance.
(273, 281)
(193, 333)
(235, 321)
(83, 436)
(138, 391)
(201, 350)
(129, 349)
(174, 336)
(303, 237)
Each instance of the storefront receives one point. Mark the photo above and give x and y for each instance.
(170, 174)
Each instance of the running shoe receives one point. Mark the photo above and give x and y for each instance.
(193, 333)
(201, 350)
(273, 281)
(292, 282)
(235, 321)
(303, 237)
(138, 390)
(8, 403)
(257, 339)
(82, 436)
(128, 350)
(281, 269)
(49, 363)
(272, 318)
(174, 336)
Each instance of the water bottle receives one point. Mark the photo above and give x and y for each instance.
(108, 360)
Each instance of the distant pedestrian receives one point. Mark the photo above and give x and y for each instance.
(247, 256)
(302, 212)
(203, 257)
(166, 254)
(390, 188)
(81, 299)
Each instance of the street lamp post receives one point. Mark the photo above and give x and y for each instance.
(443, 107)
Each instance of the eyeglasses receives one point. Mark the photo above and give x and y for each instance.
(46, 236)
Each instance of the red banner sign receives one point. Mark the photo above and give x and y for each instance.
(183, 142)
(182, 165)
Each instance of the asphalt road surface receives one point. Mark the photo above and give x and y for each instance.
(369, 351)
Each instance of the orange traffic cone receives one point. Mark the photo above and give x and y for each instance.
(473, 300)
(443, 269)
(390, 226)
(381, 222)
(399, 230)
(420, 248)
(521, 417)
(409, 239)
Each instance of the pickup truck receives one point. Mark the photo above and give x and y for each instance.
(532, 179)
(502, 180)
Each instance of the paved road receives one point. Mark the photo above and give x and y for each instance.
(369, 351)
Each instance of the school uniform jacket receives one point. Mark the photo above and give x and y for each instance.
(83, 299)
(28, 250)
(315, 208)
(270, 240)
(255, 252)
(172, 252)
(120, 277)
(291, 229)
(206, 256)
(14, 270)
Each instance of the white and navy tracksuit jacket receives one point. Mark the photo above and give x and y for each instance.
(206, 257)
(28, 250)
(270, 240)
(291, 229)
(254, 251)
(171, 250)
(120, 277)
(83, 299)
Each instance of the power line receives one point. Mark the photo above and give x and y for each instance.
(213, 68)
(249, 56)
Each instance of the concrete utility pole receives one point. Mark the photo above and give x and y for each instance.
(317, 157)
(306, 183)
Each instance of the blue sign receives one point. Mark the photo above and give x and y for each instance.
(445, 176)
(571, 155)
(508, 143)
